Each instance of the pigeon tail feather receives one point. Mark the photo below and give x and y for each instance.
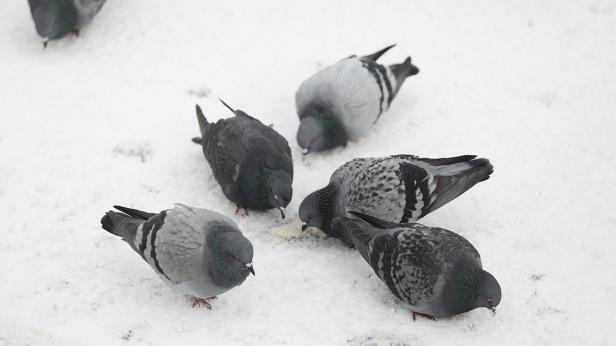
(377, 55)
(204, 125)
(138, 214)
(456, 175)
(402, 71)
(355, 232)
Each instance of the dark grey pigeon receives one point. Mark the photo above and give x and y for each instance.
(195, 251)
(436, 271)
(342, 101)
(251, 162)
(55, 18)
(398, 188)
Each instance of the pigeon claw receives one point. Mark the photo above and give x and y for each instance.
(238, 208)
(415, 314)
(199, 302)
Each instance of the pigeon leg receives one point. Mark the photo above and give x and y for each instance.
(75, 32)
(238, 208)
(414, 314)
(198, 302)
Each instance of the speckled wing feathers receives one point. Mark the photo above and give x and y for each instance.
(404, 188)
(413, 260)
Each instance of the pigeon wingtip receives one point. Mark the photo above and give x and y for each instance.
(226, 105)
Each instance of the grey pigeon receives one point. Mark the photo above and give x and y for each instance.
(55, 18)
(398, 188)
(251, 161)
(342, 101)
(195, 251)
(436, 271)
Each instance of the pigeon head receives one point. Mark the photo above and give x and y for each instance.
(53, 18)
(230, 259)
(319, 132)
(475, 288)
(489, 292)
(266, 186)
(317, 209)
(281, 190)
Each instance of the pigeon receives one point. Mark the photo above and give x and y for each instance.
(196, 251)
(398, 188)
(435, 271)
(55, 18)
(251, 162)
(342, 101)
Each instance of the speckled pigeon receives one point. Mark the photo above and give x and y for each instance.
(251, 161)
(398, 188)
(342, 101)
(436, 271)
(195, 251)
(55, 18)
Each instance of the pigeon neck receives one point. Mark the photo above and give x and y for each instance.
(464, 287)
(254, 187)
(326, 200)
(222, 268)
(333, 131)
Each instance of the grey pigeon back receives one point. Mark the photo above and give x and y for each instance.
(342, 101)
(398, 188)
(437, 272)
(251, 162)
(196, 251)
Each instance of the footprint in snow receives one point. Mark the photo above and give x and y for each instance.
(130, 148)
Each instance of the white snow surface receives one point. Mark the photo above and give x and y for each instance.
(107, 118)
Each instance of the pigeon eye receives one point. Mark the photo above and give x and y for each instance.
(237, 258)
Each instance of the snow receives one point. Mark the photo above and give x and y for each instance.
(107, 119)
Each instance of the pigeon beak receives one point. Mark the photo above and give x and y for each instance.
(45, 40)
(250, 268)
(491, 307)
(282, 212)
(305, 153)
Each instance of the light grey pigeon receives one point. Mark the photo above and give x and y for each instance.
(342, 101)
(436, 271)
(251, 162)
(398, 188)
(55, 18)
(195, 251)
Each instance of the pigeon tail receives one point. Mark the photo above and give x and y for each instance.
(119, 224)
(342, 231)
(204, 125)
(107, 223)
(374, 221)
(122, 225)
(350, 230)
(456, 175)
(138, 214)
(402, 71)
(377, 55)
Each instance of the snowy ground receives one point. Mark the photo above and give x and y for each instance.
(107, 118)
